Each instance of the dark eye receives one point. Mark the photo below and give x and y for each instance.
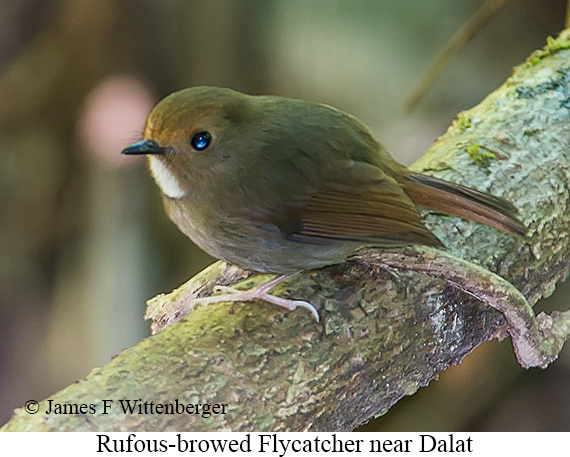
(201, 140)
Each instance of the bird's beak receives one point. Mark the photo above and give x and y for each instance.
(144, 147)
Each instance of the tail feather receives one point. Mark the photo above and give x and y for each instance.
(457, 200)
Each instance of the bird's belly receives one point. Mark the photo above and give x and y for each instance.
(263, 249)
(275, 257)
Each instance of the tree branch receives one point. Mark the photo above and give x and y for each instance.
(388, 325)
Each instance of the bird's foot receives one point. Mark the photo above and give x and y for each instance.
(260, 292)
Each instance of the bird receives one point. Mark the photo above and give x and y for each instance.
(281, 185)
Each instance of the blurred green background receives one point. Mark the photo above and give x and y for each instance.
(83, 237)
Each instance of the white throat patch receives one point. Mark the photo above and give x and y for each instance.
(165, 179)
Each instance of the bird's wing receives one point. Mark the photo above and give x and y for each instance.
(360, 203)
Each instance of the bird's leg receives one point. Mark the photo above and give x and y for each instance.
(260, 292)
(537, 340)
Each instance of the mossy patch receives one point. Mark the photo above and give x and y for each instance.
(553, 45)
(480, 157)
(463, 121)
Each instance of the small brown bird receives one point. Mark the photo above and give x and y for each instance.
(279, 185)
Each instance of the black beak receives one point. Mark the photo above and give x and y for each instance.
(144, 147)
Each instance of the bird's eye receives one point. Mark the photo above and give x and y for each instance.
(201, 140)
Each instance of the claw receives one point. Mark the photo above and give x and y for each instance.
(260, 293)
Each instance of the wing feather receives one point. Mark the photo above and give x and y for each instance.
(363, 204)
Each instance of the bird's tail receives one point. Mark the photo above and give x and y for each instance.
(457, 200)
